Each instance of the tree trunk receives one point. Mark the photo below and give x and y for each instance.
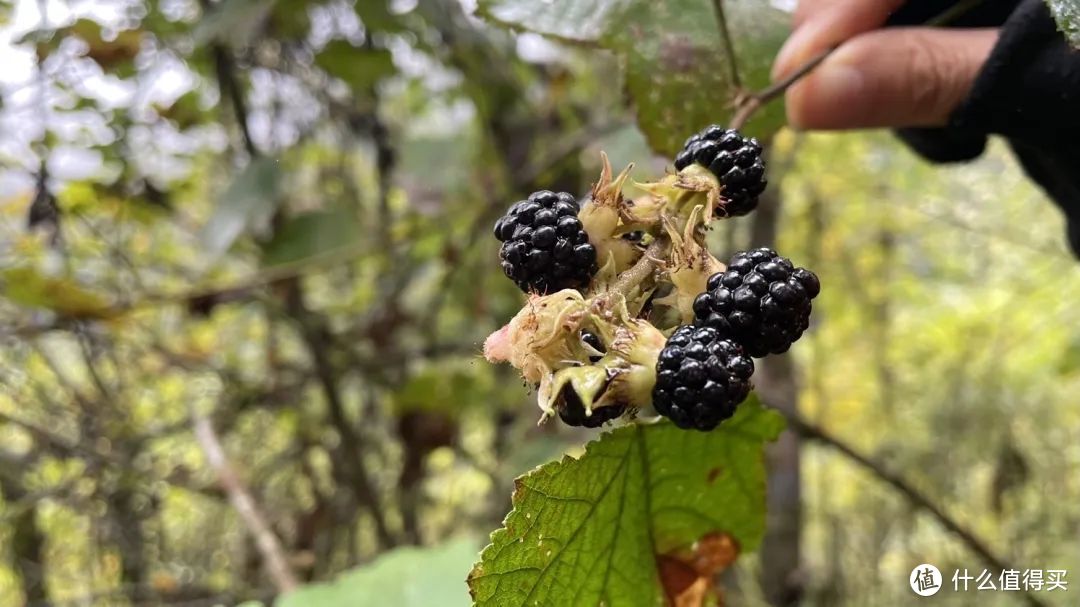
(781, 576)
(27, 547)
(125, 530)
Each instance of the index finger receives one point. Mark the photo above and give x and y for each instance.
(872, 13)
(822, 24)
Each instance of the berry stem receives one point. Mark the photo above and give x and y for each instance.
(750, 104)
(644, 268)
(725, 39)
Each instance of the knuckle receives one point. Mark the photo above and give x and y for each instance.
(932, 78)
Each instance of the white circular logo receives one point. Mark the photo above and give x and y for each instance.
(925, 580)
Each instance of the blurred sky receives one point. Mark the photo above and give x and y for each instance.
(30, 106)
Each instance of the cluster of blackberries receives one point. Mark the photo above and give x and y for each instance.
(759, 306)
(734, 159)
(545, 248)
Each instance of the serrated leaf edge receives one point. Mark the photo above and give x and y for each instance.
(770, 432)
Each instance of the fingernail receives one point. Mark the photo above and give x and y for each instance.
(779, 67)
(831, 96)
(836, 82)
(793, 49)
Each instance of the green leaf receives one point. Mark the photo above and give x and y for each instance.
(115, 53)
(311, 234)
(376, 16)
(290, 18)
(27, 287)
(589, 531)
(585, 21)
(403, 577)
(185, 112)
(250, 199)
(1067, 15)
(432, 166)
(109, 54)
(360, 68)
(450, 386)
(675, 60)
(232, 22)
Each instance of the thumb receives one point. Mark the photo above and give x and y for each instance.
(896, 77)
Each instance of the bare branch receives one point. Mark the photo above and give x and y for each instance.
(748, 105)
(230, 88)
(277, 565)
(315, 338)
(917, 498)
(725, 39)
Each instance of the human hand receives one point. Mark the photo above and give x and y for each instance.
(894, 77)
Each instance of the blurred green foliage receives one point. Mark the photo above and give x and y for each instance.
(293, 242)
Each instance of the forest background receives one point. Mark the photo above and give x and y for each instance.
(260, 230)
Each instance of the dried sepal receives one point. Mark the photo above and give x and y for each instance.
(690, 265)
(601, 218)
(631, 365)
(543, 335)
(679, 193)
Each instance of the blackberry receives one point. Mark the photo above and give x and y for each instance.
(762, 301)
(545, 248)
(734, 159)
(593, 340)
(701, 377)
(572, 410)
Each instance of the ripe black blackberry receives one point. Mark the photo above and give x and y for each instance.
(701, 377)
(594, 342)
(572, 411)
(762, 301)
(734, 159)
(545, 248)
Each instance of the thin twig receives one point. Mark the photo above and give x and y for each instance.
(385, 155)
(749, 104)
(316, 337)
(729, 48)
(230, 88)
(85, 347)
(240, 290)
(277, 565)
(952, 13)
(919, 499)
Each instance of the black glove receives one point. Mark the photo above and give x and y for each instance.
(1028, 91)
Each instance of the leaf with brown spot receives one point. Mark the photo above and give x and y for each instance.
(675, 55)
(581, 529)
(713, 474)
(687, 574)
(109, 52)
(683, 585)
